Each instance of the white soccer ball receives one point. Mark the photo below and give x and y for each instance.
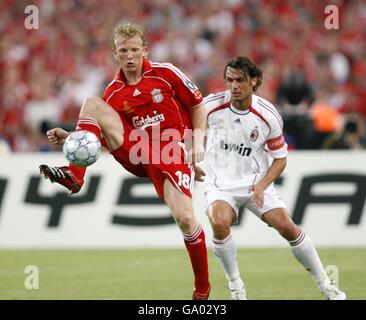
(82, 148)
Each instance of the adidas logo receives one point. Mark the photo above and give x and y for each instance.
(237, 121)
(136, 92)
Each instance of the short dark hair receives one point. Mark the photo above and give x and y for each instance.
(248, 67)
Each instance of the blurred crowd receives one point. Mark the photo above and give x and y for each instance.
(314, 75)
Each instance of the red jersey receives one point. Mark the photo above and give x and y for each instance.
(164, 96)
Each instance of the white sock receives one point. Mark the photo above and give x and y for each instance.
(305, 252)
(225, 251)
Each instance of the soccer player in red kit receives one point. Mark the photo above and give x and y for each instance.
(156, 100)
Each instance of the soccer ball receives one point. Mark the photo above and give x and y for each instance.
(82, 148)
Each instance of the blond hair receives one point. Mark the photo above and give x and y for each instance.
(129, 30)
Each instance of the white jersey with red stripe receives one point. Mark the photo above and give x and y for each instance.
(240, 143)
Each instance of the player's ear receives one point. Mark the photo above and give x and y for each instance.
(254, 82)
(115, 53)
(145, 52)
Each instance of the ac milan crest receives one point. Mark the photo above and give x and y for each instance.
(254, 135)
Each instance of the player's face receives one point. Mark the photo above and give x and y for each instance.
(129, 53)
(240, 86)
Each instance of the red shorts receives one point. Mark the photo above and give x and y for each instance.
(158, 160)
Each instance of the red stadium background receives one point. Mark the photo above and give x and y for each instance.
(315, 75)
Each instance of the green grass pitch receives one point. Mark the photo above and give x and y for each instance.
(165, 274)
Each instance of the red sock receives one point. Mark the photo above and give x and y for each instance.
(196, 246)
(91, 125)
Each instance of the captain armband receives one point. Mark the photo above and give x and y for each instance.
(276, 143)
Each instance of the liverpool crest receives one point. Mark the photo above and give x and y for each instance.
(157, 96)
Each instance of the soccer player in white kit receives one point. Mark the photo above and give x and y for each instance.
(244, 132)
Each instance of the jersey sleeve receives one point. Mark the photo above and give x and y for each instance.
(105, 95)
(276, 143)
(108, 91)
(186, 91)
(215, 101)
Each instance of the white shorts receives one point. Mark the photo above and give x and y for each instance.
(237, 198)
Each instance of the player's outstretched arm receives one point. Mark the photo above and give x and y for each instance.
(57, 136)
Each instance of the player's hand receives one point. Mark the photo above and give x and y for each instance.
(199, 173)
(57, 136)
(258, 194)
